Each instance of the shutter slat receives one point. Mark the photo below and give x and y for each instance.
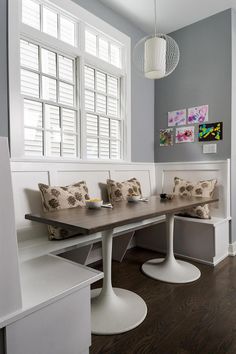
(31, 13)
(48, 62)
(49, 22)
(115, 129)
(92, 148)
(101, 103)
(49, 89)
(66, 70)
(69, 146)
(92, 124)
(53, 144)
(90, 43)
(66, 94)
(89, 77)
(33, 142)
(33, 116)
(52, 117)
(115, 55)
(29, 55)
(115, 150)
(29, 83)
(104, 150)
(67, 30)
(89, 100)
(104, 127)
(112, 86)
(112, 107)
(103, 48)
(101, 82)
(69, 120)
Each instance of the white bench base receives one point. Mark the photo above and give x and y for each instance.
(204, 241)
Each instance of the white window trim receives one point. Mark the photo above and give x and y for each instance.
(16, 29)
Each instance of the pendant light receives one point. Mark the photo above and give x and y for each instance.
(156, 56)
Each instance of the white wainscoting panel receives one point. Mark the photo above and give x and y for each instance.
(27, 175)
(198, 171)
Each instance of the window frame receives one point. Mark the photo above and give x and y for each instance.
(85, 19)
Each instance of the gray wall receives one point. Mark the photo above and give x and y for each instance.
(203, 76)
(3, 69)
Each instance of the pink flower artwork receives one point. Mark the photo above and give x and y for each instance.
(198, 114)
(184, 135)
(177, 118)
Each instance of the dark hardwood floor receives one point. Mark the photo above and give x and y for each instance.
(195, 318)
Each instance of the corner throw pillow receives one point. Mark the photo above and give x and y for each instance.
(118, 191)
(200, 189)
(56, 198)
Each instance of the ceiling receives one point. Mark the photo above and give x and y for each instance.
(171, 14)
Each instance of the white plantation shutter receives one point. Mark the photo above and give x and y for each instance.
(49, 89)
(104, 127)
(31, 13)
(52, 117)
(53, 143)
(33, 114)
(103, 98)
(53, 23)
(67, 30)
(48, 60)
(103, 48)
(115, 55)
(90, 42)
(51, 84)
(33, 142)
(50, 22)
(101, 82)
(69, 145)
(66, 69)
(89, 77)
(29, 57)
(69, 121)
(49, 78)
(29, 83)
(92, 124)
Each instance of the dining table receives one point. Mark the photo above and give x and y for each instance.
(117, 310)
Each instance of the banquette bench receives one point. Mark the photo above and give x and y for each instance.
(206, 241)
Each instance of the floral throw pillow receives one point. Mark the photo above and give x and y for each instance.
(118, 191)
(56, 198)
(185, 188)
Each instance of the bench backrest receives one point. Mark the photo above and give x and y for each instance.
(27, 175)
(198, 171)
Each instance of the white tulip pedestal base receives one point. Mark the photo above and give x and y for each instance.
(114, 310)
(169, 269)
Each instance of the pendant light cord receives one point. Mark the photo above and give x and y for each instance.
(155, 13)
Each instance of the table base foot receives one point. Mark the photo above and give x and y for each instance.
(171, 271)
(120, 312)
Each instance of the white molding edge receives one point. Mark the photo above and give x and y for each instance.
(232, 249)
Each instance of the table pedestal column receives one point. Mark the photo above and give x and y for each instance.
(169, 269)
(114, 310)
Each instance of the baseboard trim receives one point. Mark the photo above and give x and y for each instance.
(232, 249)
(212, 263)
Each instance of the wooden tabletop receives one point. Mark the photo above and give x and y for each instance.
(88, 221)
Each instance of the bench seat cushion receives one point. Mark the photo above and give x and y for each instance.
(63, 197)
(200, 189)
(118, 191)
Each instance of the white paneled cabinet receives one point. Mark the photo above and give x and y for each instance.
(60, 328)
